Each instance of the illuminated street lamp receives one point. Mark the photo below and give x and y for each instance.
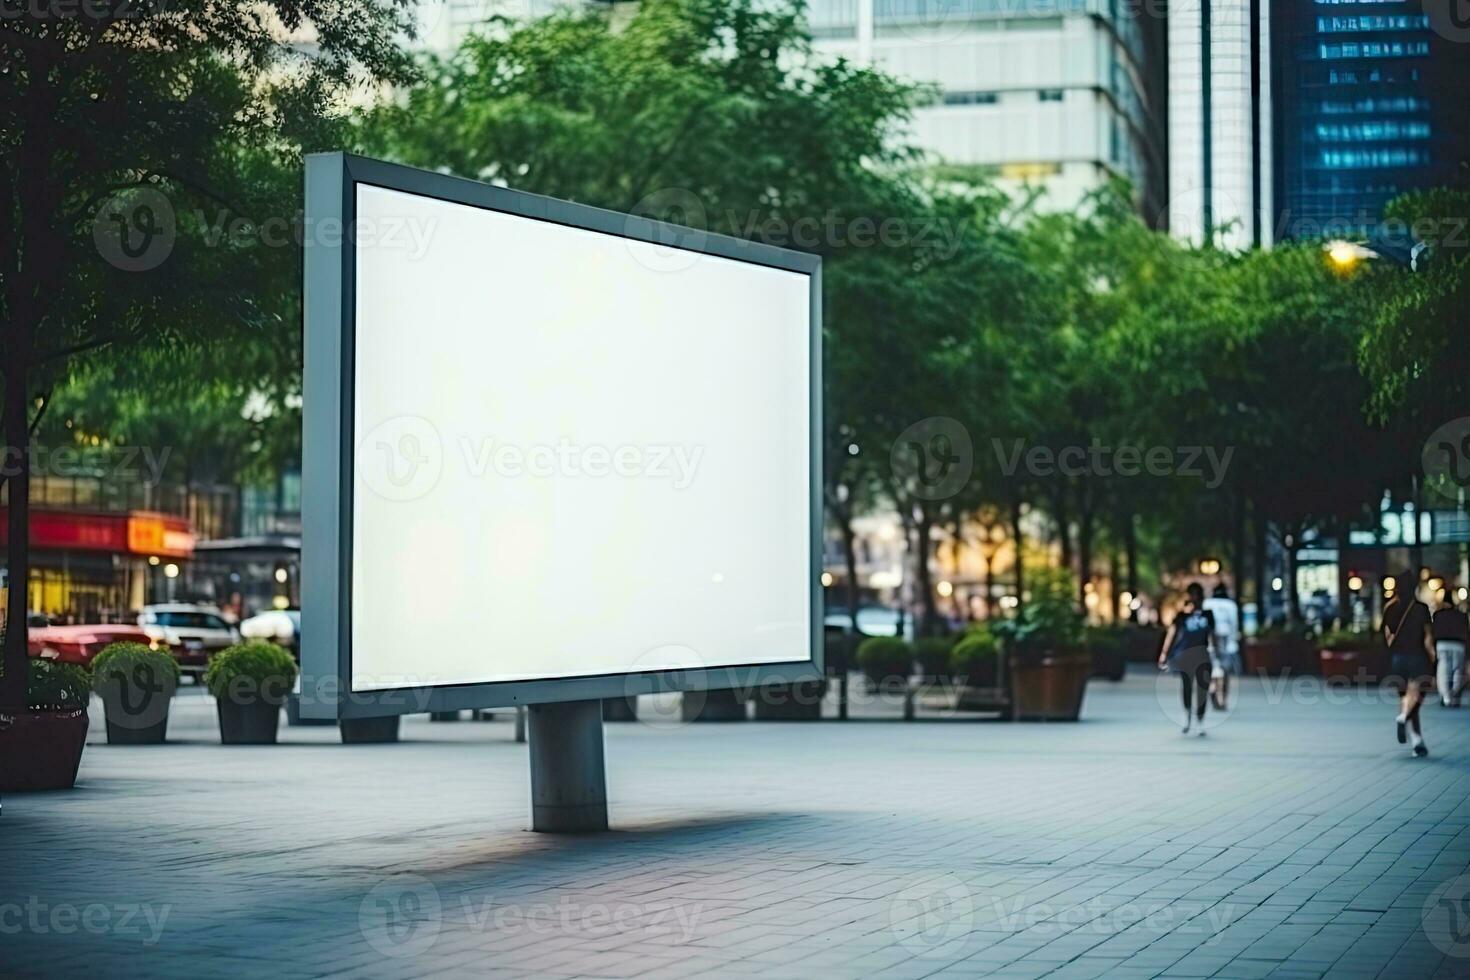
(1209, 566)
(1355, 583)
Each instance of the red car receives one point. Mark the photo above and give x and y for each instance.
(79, 644)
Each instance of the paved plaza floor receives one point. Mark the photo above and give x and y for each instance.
(1296, 839)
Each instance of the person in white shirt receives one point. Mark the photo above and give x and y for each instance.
(1226, 659)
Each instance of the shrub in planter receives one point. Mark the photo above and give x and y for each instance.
(885, 660)
(1354, 655)
(1109, 648)
(1279, 650)
(42, 747)
(136, 685)
(975, 659)
(1049, 664)
(932, 653)
(250, 682)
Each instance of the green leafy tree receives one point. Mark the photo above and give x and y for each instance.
(130, 132)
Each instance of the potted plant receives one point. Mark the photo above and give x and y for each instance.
(1109, 648)
(41, 748)
(886, 661)
(136, 685)
(1355, 655)
(975, 664)
(932, 654)
(1142, 643)
(1262, 652)
(801, 701)
(368, 731)
(1280, 650)
(1049, 664)
(250, 681)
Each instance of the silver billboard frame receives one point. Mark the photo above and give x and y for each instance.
(328, 447)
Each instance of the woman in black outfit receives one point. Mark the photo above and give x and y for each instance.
(1409, 635)
(1187, 653)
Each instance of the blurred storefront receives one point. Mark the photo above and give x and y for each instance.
(91, 567)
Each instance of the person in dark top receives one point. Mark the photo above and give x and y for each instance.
(1451, 634)
(1408, 632)
(1186, 652)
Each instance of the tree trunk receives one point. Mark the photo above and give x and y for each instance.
(1130, 557)
(18, 483)
(1020, 551)
(1064, 524)
(1293, 597)
(1237, 547)
(1084, 544)
(849, 548)
(1259, 531)
(1344, 600)
(1114, 572)
(929, 612)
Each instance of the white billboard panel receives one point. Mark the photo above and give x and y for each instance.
(567, 450)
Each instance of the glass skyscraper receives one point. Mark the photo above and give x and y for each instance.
(1370, 102)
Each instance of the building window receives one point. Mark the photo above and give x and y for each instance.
(1050, 95)
(971, 98)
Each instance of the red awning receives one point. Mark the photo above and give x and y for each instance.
(141, 533)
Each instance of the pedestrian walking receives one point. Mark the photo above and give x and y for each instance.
(1225, 654)
(1408, 632)
(1451, 634)
(1187, 646)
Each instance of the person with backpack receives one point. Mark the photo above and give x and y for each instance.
(1408, 632)
(1187, 648)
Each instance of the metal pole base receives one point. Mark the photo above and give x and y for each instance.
(568, 778)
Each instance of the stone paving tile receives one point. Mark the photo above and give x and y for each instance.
(1295, 840)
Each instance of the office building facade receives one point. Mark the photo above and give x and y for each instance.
(1220, 143)
(1372, 102)
(1061, 95)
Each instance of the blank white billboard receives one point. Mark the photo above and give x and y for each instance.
(574, 453)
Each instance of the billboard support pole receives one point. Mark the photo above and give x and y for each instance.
(568, 777)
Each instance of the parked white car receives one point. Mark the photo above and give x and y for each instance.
(191, 632)
(281, 626)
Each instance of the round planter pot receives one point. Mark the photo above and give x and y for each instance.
(1111, 665)
(790, 702)
(136, 705)
(1353, 665)
(723, 705)
(368, 731)
(620, 709)
(42, 750)
(1049, 688)
(1263, 657)
(250, 723)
